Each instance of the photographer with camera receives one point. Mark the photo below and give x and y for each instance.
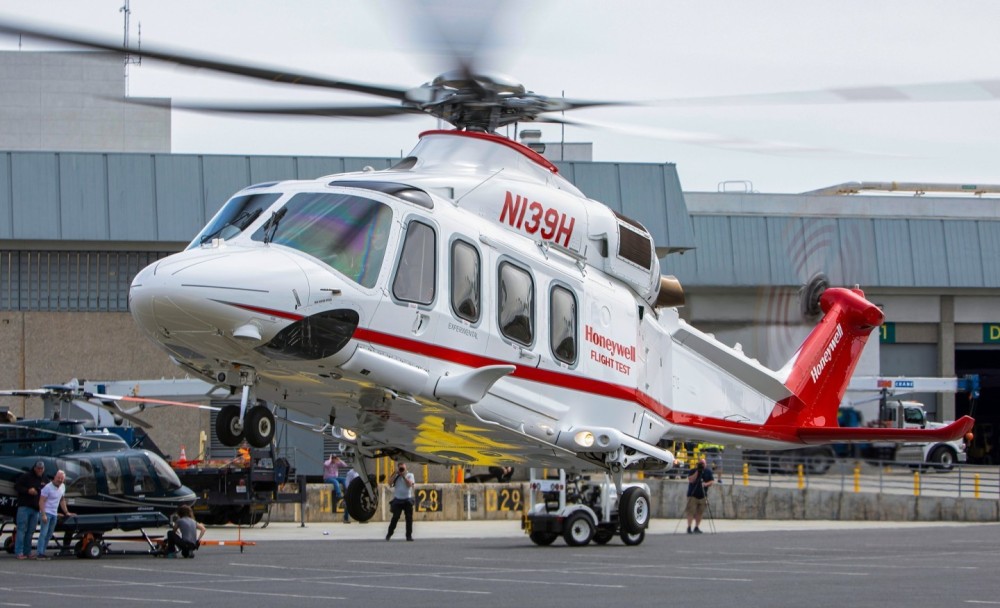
(699, 480)
(402, 483)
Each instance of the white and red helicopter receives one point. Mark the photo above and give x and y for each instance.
(469, 305)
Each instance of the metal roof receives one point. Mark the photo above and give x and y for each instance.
(744, 239)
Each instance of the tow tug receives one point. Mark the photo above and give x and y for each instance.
(582, 510)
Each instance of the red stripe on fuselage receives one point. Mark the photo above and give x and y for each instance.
(578, 383)
(264, 311)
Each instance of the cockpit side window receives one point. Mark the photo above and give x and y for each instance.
(235, 216)
(347, 232)
(516, 306)
(416, 273)
(466, 274)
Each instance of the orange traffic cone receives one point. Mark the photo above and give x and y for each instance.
(183, 454)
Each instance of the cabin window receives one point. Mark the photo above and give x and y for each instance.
(80, 479)
(416, 273)
(516, 306)
(113, 473)
(466, 273)
(142, 478)
(235, 217)
(349, 233)
(562, 324)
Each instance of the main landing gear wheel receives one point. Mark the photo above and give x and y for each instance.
(259, 423)
(634, 510)
(543, 539)
(579, 530)
(632, 539)
(228, 427)
(358, 503)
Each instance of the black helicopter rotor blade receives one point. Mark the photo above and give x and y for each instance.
(269, 74)
(116, 411)
(279, 109)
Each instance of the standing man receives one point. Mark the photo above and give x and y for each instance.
(52, 501)
(699, 480)
(29, 490)
(402, 484)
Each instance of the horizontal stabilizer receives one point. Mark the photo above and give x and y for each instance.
(817, 435)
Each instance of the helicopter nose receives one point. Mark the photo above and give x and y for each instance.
(213, 303)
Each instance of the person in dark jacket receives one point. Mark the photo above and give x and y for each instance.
(29, 488)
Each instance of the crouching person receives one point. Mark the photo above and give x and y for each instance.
(185, 535)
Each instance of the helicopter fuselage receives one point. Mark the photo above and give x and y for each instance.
(468, 305)
(103, 475)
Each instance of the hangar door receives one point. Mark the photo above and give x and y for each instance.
(983, 360)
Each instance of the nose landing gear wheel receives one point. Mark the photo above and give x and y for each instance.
(228, 427)
(259, 427)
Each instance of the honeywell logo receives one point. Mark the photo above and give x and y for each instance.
(817, 369)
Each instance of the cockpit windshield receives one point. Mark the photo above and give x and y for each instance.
(235, 216)
(168, 478)
(347, 232)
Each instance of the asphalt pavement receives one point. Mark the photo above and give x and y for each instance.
(776, 564)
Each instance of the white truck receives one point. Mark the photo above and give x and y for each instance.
(941, 455)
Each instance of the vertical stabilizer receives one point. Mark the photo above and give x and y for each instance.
(821, 369)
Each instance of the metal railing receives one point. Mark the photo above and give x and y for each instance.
(850, 475)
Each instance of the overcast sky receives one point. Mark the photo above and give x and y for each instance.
(630, 50)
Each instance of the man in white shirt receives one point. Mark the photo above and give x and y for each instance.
(50, 503)
(402, 484)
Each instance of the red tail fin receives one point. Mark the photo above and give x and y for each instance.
(823, 366)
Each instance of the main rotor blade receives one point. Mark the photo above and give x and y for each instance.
(328, 110)
(968, 90)
(710, 140)
(205, 62)
(456, 30)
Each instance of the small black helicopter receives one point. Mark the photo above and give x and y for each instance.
(103, 474)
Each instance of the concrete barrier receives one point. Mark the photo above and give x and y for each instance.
(493, 501)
